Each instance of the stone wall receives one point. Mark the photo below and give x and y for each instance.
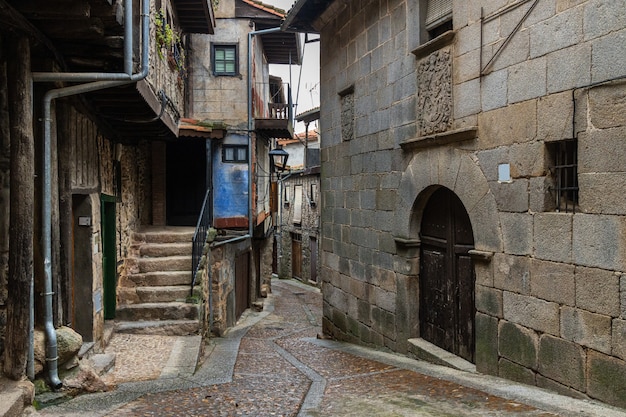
(550, 284)
(307, 229)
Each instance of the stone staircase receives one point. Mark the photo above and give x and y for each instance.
(152, 294)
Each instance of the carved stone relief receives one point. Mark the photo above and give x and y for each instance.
(347, 116)
(434, 93)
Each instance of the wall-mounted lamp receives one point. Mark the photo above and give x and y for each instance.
(279, 158)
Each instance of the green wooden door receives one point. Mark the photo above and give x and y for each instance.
(109, 260)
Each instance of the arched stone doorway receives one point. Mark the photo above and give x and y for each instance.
(447, 275)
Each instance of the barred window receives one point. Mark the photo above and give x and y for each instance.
(564, 155)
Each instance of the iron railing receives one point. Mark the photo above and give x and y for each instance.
(199, 238)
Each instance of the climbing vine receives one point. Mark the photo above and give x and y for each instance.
(169, 41)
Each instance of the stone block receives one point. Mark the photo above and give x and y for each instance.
(336, 298)
(607, 106)
(517, 229)
(597, 290)
(618, 338)
(465, 95)
(383, 299)
(531, 312)
(516, 52)
(607, 379)
(602, 151)
(518, 344)
(515, 372)
(486, 355)
(602, 18)
(587, 329)
(553, 236)
(494, 90)
(541, 197)
(622, 298)
(553, 281)
(605, 55)
(511, 196)
(551, 385)
(599, 241)
(489, 300)
(597, 193)
(508, 125)
(569, 68)
(512, 273)
(528, 159)
(490, 159)
(484, 273)
(562, 361)
(554, 118)
(561, 31)
(527, 80)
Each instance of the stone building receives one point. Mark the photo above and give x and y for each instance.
(471, 183)
(298, 218)
(238, 111)
(86, 108)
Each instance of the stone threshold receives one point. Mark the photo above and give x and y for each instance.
(429, 352)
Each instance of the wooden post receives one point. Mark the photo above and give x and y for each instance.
(22, 206)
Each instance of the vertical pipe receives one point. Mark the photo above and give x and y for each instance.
(128, 37)
(51, 346)
(51, 336)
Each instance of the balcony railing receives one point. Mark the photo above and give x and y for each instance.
(273, 110)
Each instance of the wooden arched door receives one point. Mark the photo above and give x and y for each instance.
(447, 275)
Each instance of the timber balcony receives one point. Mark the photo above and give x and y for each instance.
(274, 119)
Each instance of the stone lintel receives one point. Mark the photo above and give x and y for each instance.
(407, 242)
(438, 139)
(480, 255)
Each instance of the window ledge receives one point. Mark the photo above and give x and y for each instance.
(439, 42)
(443, 138)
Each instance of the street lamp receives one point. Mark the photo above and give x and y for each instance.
(278, 157)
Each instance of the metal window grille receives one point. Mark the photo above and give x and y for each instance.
(566, 175)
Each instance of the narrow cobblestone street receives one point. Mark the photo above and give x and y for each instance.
(280, 368)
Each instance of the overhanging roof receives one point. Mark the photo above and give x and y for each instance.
(303, 14)
(195, 16)
(279, 47)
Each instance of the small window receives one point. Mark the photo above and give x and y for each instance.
(313, 200)
(235, 153)
(438, 17)
(225, 60)
(564, 155)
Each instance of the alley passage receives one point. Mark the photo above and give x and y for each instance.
(282, 369)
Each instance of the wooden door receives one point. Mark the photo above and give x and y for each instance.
(296, 255)
(447, 275)
(242, 283)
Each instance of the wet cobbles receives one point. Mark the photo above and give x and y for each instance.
(280, 372)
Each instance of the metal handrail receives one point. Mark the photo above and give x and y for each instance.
(199, 238)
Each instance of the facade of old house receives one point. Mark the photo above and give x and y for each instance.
(231, 88)
(298, 217)
(471, 183)
(87, 111)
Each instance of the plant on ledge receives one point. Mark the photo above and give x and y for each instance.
(168, 40)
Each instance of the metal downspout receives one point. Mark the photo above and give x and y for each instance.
(100, 81)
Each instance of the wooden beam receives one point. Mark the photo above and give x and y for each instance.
(60, 9)
(22, 207)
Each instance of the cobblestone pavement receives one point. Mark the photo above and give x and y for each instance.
(280, 368)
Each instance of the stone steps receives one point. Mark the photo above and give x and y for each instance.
(159, 278)
(152, 294)
(157, 294)
(174, 310)
(159, 327)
